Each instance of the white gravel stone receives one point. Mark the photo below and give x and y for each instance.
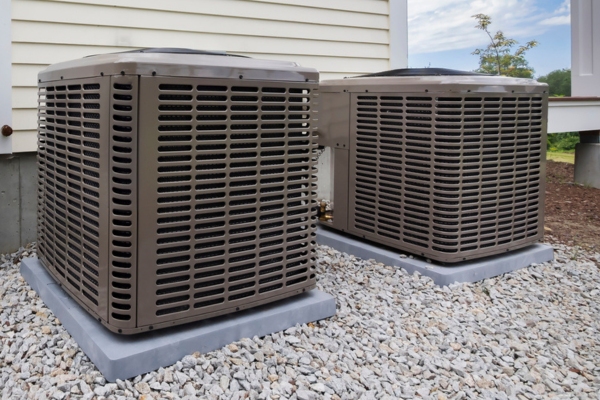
(530, 334)
(189, 390)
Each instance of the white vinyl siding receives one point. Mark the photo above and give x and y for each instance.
(5, 75)
(337, 37)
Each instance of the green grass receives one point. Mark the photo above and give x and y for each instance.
(561, 156)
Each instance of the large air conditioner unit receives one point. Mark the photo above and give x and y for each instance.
(176, 185)
(444, 164)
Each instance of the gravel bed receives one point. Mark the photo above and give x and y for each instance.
(531, 334)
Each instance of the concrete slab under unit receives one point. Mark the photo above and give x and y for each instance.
(122, 357)
(468, 271)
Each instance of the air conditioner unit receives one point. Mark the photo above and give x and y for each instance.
(444, 164)
(176, 185)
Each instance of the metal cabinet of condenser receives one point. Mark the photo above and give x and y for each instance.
(176, 185)
(444, 164)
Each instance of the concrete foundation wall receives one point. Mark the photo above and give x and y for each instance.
(18, 197)
(587, 164)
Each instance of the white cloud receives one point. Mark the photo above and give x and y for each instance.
(438, 25)
(561, 20)
(562, 15)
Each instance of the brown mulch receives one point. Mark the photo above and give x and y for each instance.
(572, 210)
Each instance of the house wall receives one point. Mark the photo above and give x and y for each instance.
(18, 201)
(5, 74)
(338, 37)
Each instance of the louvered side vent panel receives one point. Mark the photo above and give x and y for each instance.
(123, 201)
(447, 176)
(228, 185)
(73, 187)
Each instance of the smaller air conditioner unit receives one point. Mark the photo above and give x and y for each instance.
(444, 164)
(176, 185)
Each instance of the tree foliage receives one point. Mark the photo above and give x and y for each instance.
(559, 82)
(498, 57)
(561, 142)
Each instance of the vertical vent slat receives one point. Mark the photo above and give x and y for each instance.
(72, 187)
(123, 204)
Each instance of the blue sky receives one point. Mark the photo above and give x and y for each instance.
(442, 33)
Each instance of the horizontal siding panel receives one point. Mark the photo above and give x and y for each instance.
(332, 64)
(25, 74)
(28, 32)
(44, 54)
(281, 11)
(366, 6)
(24, 97)
(35, 53)
(338, 37)
(24, 119)
(24, 141)
(362, 6)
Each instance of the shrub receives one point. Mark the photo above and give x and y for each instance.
(565, 141)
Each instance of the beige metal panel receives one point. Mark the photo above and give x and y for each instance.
(227, 210)
(72, 206)
(68, 34)
(123, 265)
(334, 75)
(179, 63)
(447, 171)
(243, 148)
(282, 11)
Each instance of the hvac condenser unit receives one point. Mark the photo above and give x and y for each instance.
(444, 164)
(176, 185)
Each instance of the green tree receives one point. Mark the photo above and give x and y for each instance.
(562, 142)
(559, 82)
(498, 57)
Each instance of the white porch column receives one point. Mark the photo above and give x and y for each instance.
(398, 34)
(585, 47)
(585, 82)
(5, 75)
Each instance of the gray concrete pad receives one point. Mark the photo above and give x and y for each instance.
(468, 271)
(122, 357)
